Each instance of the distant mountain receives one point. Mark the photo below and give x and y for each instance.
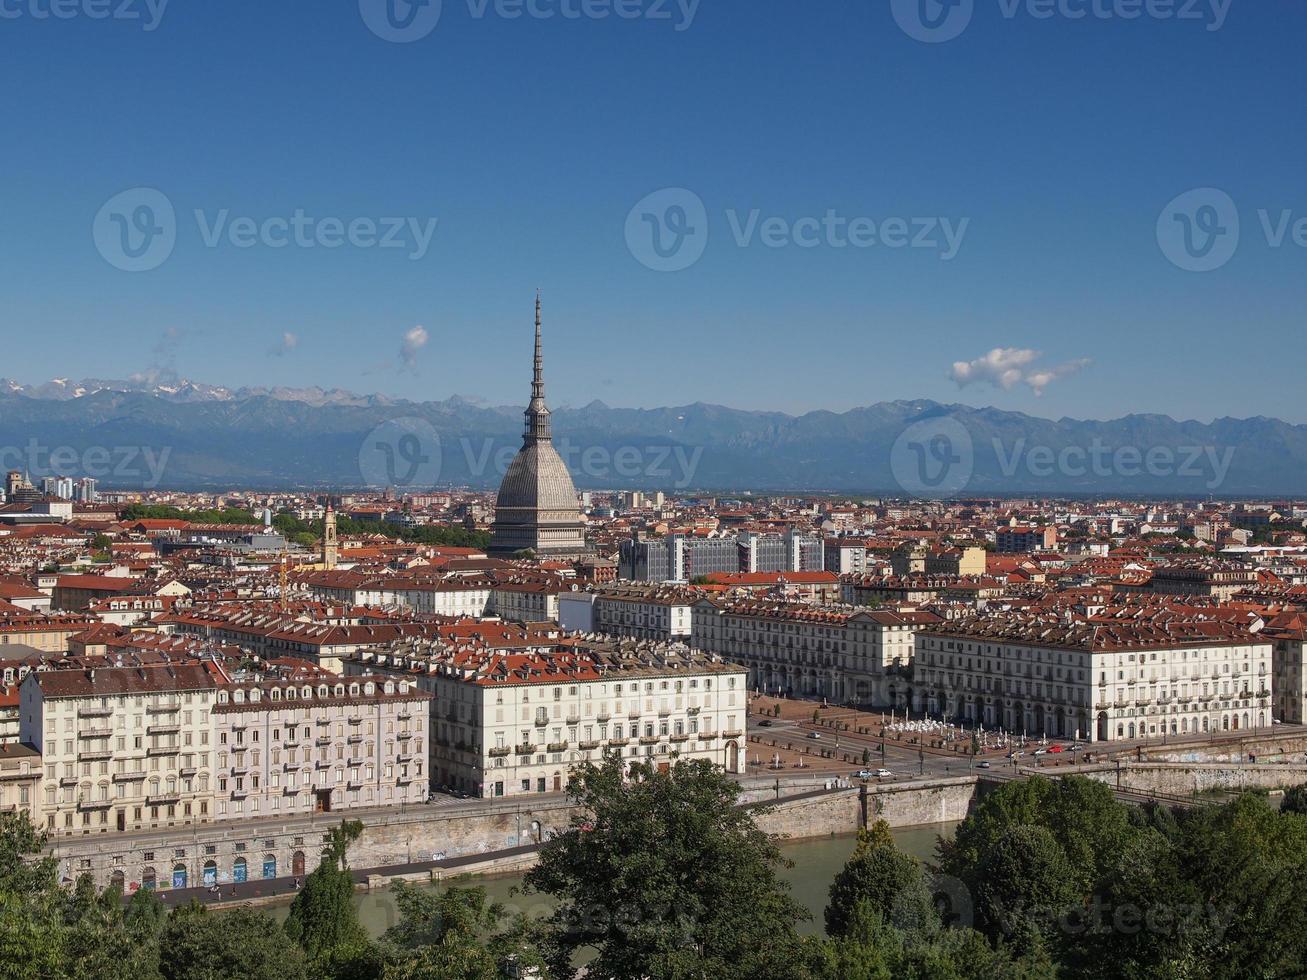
(187, 435)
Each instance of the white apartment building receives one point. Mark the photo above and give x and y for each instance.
(20, 778)
(505, 724)
(644, 611)
(317, 743)
(529, 601)
(1098, 679)
(123, 748)
(843, 654)
(1288, 634)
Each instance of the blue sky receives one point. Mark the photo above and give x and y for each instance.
(1051, 146)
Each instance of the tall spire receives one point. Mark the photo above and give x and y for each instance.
(537, 413)
(538, 381)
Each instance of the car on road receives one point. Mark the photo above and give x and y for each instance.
(883, 774)
(1014, 754)
(1055, 749)
(1041, 751)
(814, 734)
(984, 765)
(765, 723)
(864, 774)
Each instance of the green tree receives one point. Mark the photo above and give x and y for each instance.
(663, 875)
(241, 944)
(889, 882)
(323, 919)
(1025, 885)
(1295, 800)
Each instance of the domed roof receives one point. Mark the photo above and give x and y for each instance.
(537, 479)
(537, 508)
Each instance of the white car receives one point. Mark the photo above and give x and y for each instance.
(883, 774)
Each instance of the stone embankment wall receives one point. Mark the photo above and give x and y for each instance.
(1185, 779)
(393, 838)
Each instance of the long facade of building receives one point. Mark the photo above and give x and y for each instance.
(123, 748)
(1100, 679)
(318, 744)
(842, 654)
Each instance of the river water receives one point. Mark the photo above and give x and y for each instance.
(816, 862)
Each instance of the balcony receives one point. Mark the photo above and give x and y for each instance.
(541, 722)
(633, 714)
(163, 707)
(128, 777)
(355, 719)
(187, 771)
(94, 755)
(680, 738)
(92, 712)
(604, 716)
(289, 790)
(526, 748)
(354, 739)
(650, 739)
(163, 799)
(169, 729)
(499, 751)
(731, 734)
(322, 741)
(95, 733)
(707, 736)
(72, 780)
(404, 735)
(557, 746)
(693, 711)
(404, 715)
(408, 757)
(619, 741)
(588, 744)
(94, 804)
(163, 750)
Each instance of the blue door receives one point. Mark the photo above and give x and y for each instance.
(269, 867)
(179, 876)
(239, 870)
(210, 873)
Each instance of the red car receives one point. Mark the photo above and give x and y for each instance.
(1056, 748)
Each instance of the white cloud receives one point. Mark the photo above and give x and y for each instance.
(1006, 367)
(414, 341)
(287, 344)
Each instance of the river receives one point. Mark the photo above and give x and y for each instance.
(816, 862)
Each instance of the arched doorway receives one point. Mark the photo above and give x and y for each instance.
(732, 757)
(1102, 726)
(210, 874)
(240, 870)
(1235, 726)
(117, 880)
(179, 876)
(149, 878)
(297, 864)
(269, 865)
